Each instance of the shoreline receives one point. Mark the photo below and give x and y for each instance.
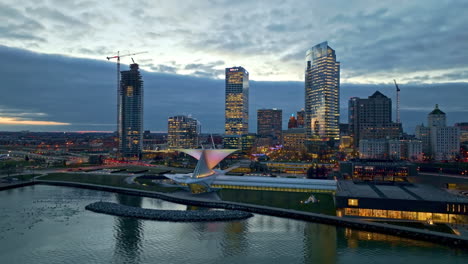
(413, 233)
(166, 215)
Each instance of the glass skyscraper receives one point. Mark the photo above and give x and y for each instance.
(237, 106)
(322, 93)
(237, 101)
(130, 113)
(183, 132)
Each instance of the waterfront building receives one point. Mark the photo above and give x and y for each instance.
(270, 124)
(130, 113)
(205, 178)
(291, 167)
(183, 132)
(401, 201)
(322, 93)
(440, 142)
(294, 139)
(371, 118)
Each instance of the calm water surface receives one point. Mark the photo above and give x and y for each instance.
(48, 224)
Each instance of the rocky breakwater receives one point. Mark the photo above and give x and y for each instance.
(167, 215)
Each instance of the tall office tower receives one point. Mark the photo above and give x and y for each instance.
(237, 105)
(270, 123)
(183, 132)
(292, 123)
(440, 142)
(322, 93)
(300, 118)
(371, 118)
(130, 113)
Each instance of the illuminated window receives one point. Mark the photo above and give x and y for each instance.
(129, 91)
(352, 202)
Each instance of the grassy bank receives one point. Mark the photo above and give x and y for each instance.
(287, 200)
(104, 179)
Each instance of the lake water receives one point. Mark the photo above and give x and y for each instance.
(48, 224)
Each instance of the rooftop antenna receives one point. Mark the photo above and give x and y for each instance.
(398, 102)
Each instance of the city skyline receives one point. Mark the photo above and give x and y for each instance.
(346, 119)
(24, 107)
(30, 107)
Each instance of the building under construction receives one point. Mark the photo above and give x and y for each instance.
(130, 113)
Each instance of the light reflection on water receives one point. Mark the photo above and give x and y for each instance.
(48, 224)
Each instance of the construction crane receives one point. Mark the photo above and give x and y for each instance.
(118, 56)
(397, 102)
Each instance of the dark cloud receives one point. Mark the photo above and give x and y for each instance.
(153, 35)
(372, 39)
(401, 41)
(56, 16)
(207, 70)
(11, 32)
(19, 27)
(99, 51)
(83, 92)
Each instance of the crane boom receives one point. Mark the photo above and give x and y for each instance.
(118, 56)
(398, 102)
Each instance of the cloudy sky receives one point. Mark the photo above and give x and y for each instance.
(55, 76)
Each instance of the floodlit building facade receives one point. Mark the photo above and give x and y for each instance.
(440, 142)
(130, 113)
(236, 106)
(237, 101)
(322, 93)
(183, 132)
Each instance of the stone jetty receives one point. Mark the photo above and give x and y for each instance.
(167, 215)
